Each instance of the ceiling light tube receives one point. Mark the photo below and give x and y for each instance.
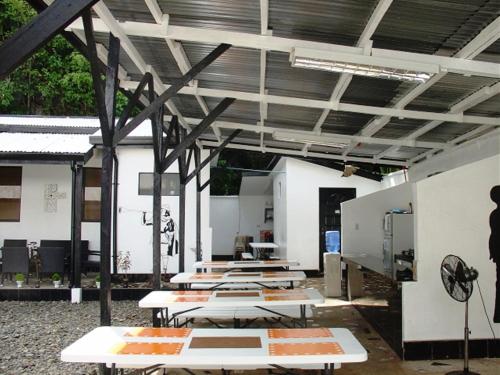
(363, 65)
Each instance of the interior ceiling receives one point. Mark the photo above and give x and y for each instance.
(451, 28)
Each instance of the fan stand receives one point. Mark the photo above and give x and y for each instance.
(466, 347)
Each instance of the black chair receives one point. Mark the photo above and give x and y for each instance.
(15, 260)
(87, 264)
(14, 243)
(52, 260)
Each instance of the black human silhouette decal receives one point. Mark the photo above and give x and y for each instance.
(494, 245)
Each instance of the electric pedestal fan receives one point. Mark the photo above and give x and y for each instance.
(458, 281)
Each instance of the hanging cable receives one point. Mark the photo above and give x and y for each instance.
(485, 312)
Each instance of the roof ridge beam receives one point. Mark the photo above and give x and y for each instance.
(273, 43)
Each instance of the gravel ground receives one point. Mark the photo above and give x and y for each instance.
(32, 334)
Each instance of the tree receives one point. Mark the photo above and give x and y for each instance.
(54, 81)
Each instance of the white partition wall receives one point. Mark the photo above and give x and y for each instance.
(136, 237)
(452, 217)
(362, 219)
(300, 193)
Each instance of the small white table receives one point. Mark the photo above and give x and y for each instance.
(259, 247)
(206, 348)
(234, 303)
(213, 280)
(235, 264)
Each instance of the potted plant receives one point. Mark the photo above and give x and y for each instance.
(98, 281)
(19, 280)
(56, 279)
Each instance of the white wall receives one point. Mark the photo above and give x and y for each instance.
(303, 181)
(479, 149)
(35, 223)
(452, 216)
(137, 238)
(280, 209)
(362, 219)
(224, 213)
(237, 215)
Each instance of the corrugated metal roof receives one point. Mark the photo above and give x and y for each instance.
(44, 143)
(424, 26)
(52, 121)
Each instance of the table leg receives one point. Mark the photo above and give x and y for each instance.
(303, 315)
(354, 281)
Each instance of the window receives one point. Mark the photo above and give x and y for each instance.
(91, 194)
(10, 193)
(170, 184)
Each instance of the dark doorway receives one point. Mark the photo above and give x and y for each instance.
(330, 214)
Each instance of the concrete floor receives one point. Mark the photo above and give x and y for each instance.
(337, 312)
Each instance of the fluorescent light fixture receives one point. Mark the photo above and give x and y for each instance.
(310, 139)
(363, 65)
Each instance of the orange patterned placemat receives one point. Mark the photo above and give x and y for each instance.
(290, 297)
(158, 332)
(298, 333)
(148, 348)
(192, 292)
(206, 276)
(308, 348)
(244, 274)
(282, 291)
(191, 299)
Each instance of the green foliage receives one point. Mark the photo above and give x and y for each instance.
(98, 278)
(19, 277)
(56, 277)
(224, 181)
(54, 81)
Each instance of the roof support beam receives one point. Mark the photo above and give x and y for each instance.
(170, 92)
(213, 154)
(40, 30)
(333, 137)
(177, 52)
(195, 133)
(273, 43)
(458, 117)
(284, 151)
(482, 41)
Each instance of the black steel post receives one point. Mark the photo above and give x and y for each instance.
(76, 233)
(182, 204)
(197, 156)
(114, 260)
(156, 134)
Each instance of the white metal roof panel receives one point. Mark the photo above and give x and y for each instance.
(44, 143)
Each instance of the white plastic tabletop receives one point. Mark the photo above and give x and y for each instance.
(210, 264)
(237, 277)
(175, 347)
(263, 245)
(231, 298)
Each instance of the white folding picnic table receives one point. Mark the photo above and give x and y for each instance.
(233, 304)
(213, 280)
(236, 264)
(208, 348)
(259, 247)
